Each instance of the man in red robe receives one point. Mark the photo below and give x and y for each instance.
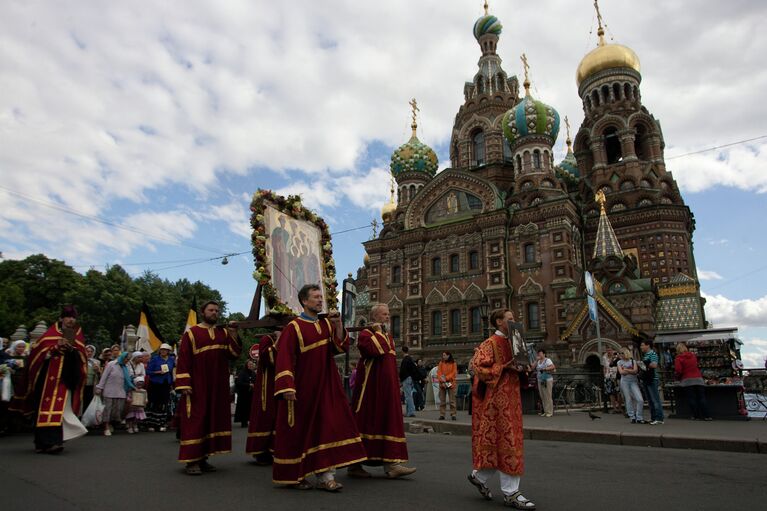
(496, 421)
(56, 371)
(376, 400)
(263, 407)
(202, 376)
(315, 431)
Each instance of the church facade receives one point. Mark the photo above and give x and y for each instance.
(507, 226)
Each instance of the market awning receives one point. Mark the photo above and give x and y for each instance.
(718, 334)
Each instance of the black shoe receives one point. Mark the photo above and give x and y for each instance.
(454, 418)
(441, 417)
(633, 421)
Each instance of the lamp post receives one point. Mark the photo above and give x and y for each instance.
(484, 310)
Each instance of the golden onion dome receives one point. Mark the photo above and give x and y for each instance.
(366, 259)
(388, 209)
(606, 56)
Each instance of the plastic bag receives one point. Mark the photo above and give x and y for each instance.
(6, 390)
(93, 415)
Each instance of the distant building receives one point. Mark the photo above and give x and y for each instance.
(507, 226)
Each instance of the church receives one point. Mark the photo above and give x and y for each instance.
(508, 226)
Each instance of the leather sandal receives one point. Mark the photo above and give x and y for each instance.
(483, 489)
(207, 467)
(518, 501)
(193, 469)
(303, 485)
(331, 485)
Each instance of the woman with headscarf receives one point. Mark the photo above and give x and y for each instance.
(160, 371)
(93, 375)
(114, 386)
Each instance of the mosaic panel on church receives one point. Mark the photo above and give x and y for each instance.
(453, 205)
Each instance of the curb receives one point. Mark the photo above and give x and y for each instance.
(753, 446)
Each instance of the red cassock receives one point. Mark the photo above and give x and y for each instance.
(206, 415)
(496, 421)
(316, 432)
(376, 401)
(264, 406)
(55, 392)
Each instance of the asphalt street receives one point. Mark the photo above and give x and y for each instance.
(139, 473)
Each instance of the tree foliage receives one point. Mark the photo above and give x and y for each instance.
(35, 288)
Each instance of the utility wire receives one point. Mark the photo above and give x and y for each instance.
(717, 147)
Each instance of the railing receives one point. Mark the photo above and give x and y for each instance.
(577, 389)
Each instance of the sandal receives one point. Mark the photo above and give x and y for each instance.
(303, 485)
(193, 469)
(518, 501)
(331, 485)
(207, 467)
(483, 489)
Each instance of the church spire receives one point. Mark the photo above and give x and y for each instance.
(606, 243)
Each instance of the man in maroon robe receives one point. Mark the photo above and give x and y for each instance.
(263, 407)
(56, 378)
(315, 431)
(496, 420)
(202, 376)
(376, 400)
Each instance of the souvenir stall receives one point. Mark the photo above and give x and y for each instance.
(718, 353)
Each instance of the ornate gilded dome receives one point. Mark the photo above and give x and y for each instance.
(530, 117)
(414, 156)
(487, 24)
(570, 165)
(605, 56)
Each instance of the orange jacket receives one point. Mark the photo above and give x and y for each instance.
(447, 369)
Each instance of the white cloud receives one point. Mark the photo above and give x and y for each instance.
(754, 353)
(708, 275)
(724, 311)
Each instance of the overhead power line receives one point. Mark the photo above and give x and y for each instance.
(717, 147)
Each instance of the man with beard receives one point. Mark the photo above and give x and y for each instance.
(202, 376)
(315, 431)
(57, 371)
(376, 400)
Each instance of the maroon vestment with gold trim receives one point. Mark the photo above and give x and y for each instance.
(205, 417)
(496, 420)
(376, 401)
(316, 432)
(264, 406)
(46, 369)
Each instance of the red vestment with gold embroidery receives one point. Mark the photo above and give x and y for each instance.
(376, 400)
(263, 407)
(205, 417)
(316, 432)
(496, 421)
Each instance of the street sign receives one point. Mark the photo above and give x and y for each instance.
(592, 308)
(253, 352)
(589, 280)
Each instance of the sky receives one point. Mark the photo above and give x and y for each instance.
(135, 133)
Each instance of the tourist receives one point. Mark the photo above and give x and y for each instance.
(496, 423)
(113, 387)
(315, 432)
(690, 379)
(420, 386)
(160, 371)
(408, 374)
(447, 370)
(434, 386)
(629, 383)
(56, 374)
(545, 367)
(93, 375)
(376, 401)
(651, 381)
(243, 385)
(136, 402)
(610, 374)
(202, 376)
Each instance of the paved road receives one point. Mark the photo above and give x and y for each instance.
(137, 473)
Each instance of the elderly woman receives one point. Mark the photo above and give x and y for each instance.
(114, 386)
(160, 371)
(93, 375)
(688, 374)
(632, 395)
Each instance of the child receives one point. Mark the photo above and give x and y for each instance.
(137, 404)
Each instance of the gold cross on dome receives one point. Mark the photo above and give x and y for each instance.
(486, 7)
(414, 106)
(523, 58)
(567, 125)
(601, 199)
(599, 14)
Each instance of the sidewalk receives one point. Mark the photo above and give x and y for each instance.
(734, 436)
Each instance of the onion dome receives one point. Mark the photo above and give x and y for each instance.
(388, 209)
(569, 164)
(366, 259)
(414, 156)
(487, 24)
(605, 56)
(530, 117)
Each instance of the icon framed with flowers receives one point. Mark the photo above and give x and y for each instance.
(291, 248)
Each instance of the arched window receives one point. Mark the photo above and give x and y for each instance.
(536, 159)
(396, 274)
(436, 267)
(478, 141)
(474, 260)
(455, 321)
(529, 249)
(455, 263)
(475, 327)
(613, 145)
(627, 91)
(606, 94)
(595, 98)
(627, 185)
(533, 316)
(642, 143)
(508, 156)
(617, 91)
(396, 327)
(412, 192)
(519, 163)
(644, 183)
(436, 323)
